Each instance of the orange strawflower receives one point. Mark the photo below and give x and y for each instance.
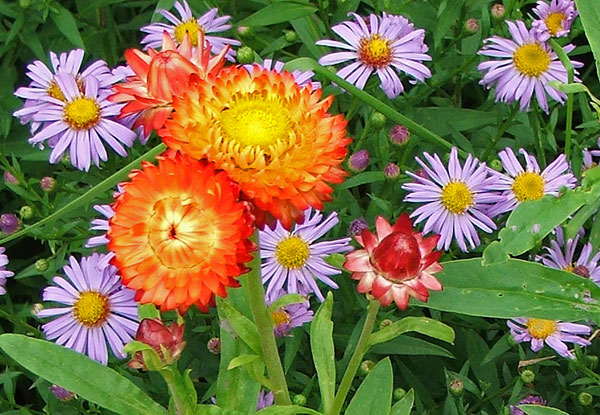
(272, 136)
(161, 75)
(179, 233)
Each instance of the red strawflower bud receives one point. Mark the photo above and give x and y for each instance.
(166, 340)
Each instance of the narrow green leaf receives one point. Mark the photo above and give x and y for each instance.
(590, 16)
(410, 346)
(79, 374)
(278, 12)
(404, 405)
(362, 178)
(540, 410)
(321, 344)
(242, 326)
(287, 410)
(308, 32)
(215, 410)
(67, 25)
(568, 88)
(374, 395)
(242, 360)
(286, 300)
(423, 325)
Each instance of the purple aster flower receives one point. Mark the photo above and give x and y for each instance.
(61, 394)
(289, 316)
(4, 273)
(588, 161)
(80, 123)
(357, 226)
(554, 333)
(265, 399)
(525, 67)
(529, 183)
(380, 45)
(528, 400)
(554, 19)
(294, 260)
(455, 199)
(98, 309)
(302, 78)
(187, 23)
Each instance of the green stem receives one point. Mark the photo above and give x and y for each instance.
(88, 196)
(264, 325)
(500, 133)
(540, 144)
(361, 348)
(18, 322)
(184, 405)
(560, 52)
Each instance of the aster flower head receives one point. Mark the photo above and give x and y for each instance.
(551, 332)
(379, 44)
(554, 18)
(455, 199)
(97, 309)
(528, 400)
(302, 78)
(529, 183)
(294, 261)
(588, 158)
(81, 123)
(273, 137)
(265, 399)
(287, 317)
(179, 233)
(4, 273)
(525, 67)
(396, 263)
(195, 28)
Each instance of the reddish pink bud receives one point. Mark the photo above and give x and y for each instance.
(155, 333)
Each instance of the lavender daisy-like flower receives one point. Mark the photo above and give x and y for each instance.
(98, 309)
(554, 19)
(187, 23)
(4, 273)
(530, 183)
(455, 199)
(287, 317)
(294, 260)
(525, 67)
(302, 78)
(380, 45)
(528, 400)
(81, 122)
(552, 332)
(588, 158)
(265, 399)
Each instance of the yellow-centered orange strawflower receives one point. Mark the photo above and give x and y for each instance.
(180, 233)
(273, 137)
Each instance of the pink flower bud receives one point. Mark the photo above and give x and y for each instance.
(399, 135)
(155, 334)
(359, 161)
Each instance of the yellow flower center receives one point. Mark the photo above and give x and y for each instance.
(528, 186)
(375, 51)
(190, 27)
(292, 252)
(569, 268)
(91, 309)
(280, 316)
(456, 197)
(541, 329)
(531, 60)
(54, 91)
(255, 120)
(554, 22)
(82, 113)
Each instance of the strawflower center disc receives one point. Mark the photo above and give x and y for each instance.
(528, 186)
(82, 113)
(541, 329)
(255, 120)
(531, 60)
(91, 309)
(280, 317)
(375, 51)
(292, 252)
(554, 22)
(191, 28)
(456, 197)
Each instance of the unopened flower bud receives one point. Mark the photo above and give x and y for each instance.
(61, 393)
(384, 323)
(366, 366)
(47, 184)
(511, 341)
(36, 308)
(42, 265)
(391, 171)
(24, 3)
(9, 223)
(498, 11)
(591, 361)
(245, 31)
(245, 55)
(10, 179)
(66, 159)
(357, 226)
(290, 36)
(26, 212)
(214, 345)
(472, 25)
(359, 161)
(161, 338)
(585, 399)
(456, 387)
(399, 393)
(399, 135)
(299, 400)
(377, 120)
(496, 164)
(527, 376)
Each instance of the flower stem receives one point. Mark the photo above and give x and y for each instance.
(570, 79)
(505, 125)
(361, 348)
(264, 325)
(184, 401)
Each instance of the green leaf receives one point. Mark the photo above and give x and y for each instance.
(282, 11)
(540, 410)
(308, 32)
(241, 360)
(67, 25)
(404, 405)
(514, 288)
(374, 395)
(590, 16)
(148, 311)
(215, 410)
(444, 120)
(423, 325)
(287, 410)
(321, 344)
(286, 300)
(79, 374)
(410, 346)
(242, 326)
(362, 178)
(568, 88)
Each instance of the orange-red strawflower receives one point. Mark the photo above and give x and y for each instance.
(272, 136)
(396, 264)
(179, 233)
(161, 75)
